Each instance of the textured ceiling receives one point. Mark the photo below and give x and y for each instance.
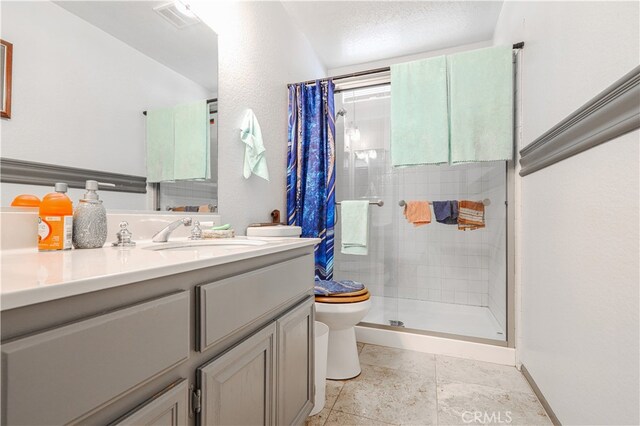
(352, 32)
(191, 51)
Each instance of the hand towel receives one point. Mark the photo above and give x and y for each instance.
(419, 123)
(481, 105)
(470, 215)
(254, 152)
(192, 155)
(417, 212)
(446, 212)
(160, 145)
(355, 227)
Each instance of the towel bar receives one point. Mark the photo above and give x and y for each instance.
(486, 202)
(378, 203)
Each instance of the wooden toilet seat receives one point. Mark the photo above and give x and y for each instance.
(352, 297)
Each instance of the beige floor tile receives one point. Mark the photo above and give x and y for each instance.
(464, 403)
(319, 419)
(338, 418)
(332, 391)
(360, 346)
(389, 395)
(449, 369)
(416, 362)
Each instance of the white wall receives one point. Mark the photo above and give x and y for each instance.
(79, 93)
(399, 59)
(577, 225)
(260, 51)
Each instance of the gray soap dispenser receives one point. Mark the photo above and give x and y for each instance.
(90, 219)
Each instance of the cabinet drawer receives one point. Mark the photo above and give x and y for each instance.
(229, 305)
(60, 375)
(168, 408)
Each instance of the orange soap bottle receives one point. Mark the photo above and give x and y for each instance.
(55, 221)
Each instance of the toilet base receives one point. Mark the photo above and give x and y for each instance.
(342, 358)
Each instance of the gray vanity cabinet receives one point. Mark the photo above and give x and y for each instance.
(238, 388)
(168, 408)
(295, 385)
(267, 379)
(138, 354)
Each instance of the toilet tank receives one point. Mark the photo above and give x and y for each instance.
(274, 231)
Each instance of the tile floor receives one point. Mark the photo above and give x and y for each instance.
(400, 387)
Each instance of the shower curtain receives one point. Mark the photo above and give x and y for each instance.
(311, 168)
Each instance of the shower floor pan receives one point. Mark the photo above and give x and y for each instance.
(473, 321)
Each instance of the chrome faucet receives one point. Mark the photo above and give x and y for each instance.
(163, 235)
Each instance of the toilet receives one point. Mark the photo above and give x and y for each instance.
(341, 307)
(341, 311)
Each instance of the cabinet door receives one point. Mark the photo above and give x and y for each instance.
(168, 408)
(238, 388)
(295, 364)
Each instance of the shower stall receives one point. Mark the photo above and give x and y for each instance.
(433, 279)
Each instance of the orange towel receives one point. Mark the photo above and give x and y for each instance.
(418, 212)
(470, 215)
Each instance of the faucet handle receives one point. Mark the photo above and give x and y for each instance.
(124, 236)
(196, 231)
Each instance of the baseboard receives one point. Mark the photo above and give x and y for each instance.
(437, 345)
(543, 400)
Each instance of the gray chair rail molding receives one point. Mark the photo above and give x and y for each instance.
(612, 113)
(32, 173)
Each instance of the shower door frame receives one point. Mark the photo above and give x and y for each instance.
(382, 76)
(510, 282)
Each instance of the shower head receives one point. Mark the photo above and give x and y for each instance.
(342, 112)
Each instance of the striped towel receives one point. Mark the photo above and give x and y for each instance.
(470, 215)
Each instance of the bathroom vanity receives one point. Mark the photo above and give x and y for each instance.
(181, 336)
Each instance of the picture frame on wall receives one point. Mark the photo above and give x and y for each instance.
(6, 63)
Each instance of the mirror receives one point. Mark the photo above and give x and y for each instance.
(84, 72)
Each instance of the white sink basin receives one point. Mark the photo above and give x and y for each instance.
(190, 245)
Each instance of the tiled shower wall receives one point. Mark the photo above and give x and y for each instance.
(434, 262)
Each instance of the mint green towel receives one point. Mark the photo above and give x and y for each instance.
(481, 105)
(355, 227)
(160, 145)
(255, 160)
(419, 125)
(192, 145)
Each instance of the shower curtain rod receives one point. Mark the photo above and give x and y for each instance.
(209, 101)
(516, 46)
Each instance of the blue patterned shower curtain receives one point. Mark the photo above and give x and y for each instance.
(311, 168)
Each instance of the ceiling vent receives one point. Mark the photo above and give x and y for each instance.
(172, 13)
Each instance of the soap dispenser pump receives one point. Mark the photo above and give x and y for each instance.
(90, 218)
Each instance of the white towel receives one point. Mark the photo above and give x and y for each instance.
(254, 152)
(355, 227)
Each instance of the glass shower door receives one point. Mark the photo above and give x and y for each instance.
(363, 172)
(432, 278)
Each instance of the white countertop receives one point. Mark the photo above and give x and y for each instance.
(30, 277)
